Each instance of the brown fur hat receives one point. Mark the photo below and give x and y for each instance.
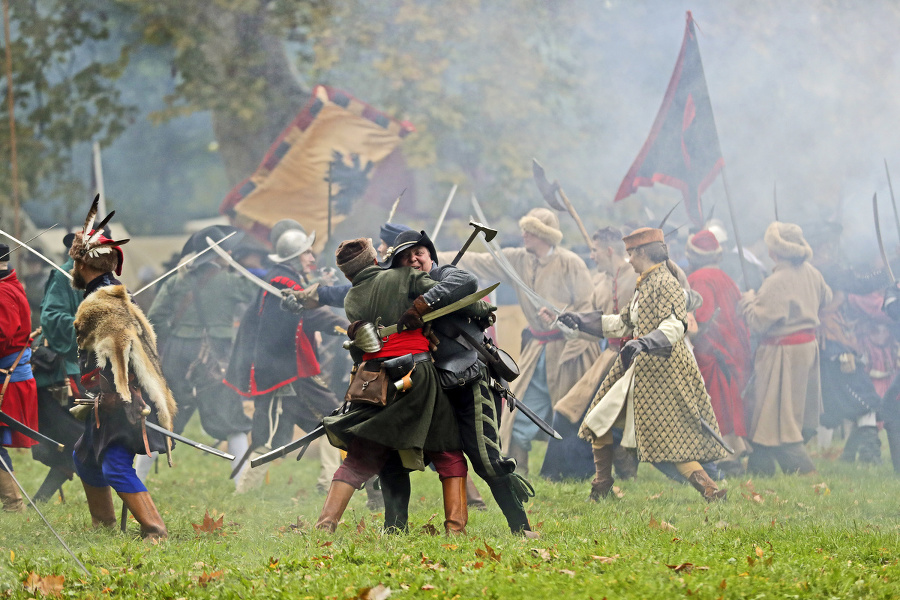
(643, 236)
(352, 256)
(785, 240)
(111, 326)
(543, 223)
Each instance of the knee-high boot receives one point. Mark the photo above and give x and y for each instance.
(892, 429)
(603, 480)
(9, 493)
(706, 486)
(141, 506)
(336, 502)
(100, 505)
(396, 490)
(504, 491)
(456, 513)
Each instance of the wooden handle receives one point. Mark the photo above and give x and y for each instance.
(575, 216)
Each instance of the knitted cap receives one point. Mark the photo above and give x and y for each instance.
(643, 236)
(543, 223)
(785, 240)
(352, 256)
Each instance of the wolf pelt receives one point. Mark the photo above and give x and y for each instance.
(115, 329)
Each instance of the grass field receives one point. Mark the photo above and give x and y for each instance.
(832, 535)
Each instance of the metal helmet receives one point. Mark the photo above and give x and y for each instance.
(280, 227)
(291, 244)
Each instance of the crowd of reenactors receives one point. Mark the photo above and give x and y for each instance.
(679, 353)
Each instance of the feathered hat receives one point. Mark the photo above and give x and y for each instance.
(93, 248)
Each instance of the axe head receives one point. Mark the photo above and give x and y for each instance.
(487, 231)
(548, 190)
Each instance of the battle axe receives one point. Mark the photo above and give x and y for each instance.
(489, 235)
(549, 191)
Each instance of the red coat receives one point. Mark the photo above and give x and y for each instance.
(722, 347)
(20, 400)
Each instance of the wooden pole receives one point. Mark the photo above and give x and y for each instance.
(14, 158)
(737, 235)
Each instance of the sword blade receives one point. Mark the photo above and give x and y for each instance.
(893, 200)
(884, 258)
(240, 269)
(36, 253)
(28, 431)
(185, 263)
(288, 448)
(542, 424)
(187, 441)
(436, 314)
(712, 432)
(28, 241)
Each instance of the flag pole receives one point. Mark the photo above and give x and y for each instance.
(14, 158)
(737, 235)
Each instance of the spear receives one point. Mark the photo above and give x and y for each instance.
(775, 199)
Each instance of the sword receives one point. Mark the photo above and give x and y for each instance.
(240, 268)
(435, 314)
(187, 262)
(884, 258)
(516, 403)
(28, 241)
(28, 431)
(893, 200)
(440, 221)
(712, 432)
(36, 253)
(8, 469)
(300, 442)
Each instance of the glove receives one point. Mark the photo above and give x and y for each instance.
(630, 350)
(571, 320)
(590, 323)
(412, 318)
(289, 302)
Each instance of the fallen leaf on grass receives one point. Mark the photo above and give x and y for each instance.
(541, 553)
(449, 546)
(567, 572)
(605, 559)
(51, 585)
(209, 525)
(478, 565)
(361, 527)
(655, 496)
(325, 544)
(488, 552)
(379, 592)
(759, 552)
(618, 492)
(205, 578)
(429, 529)
(821, 488)
(427, 587)
(686, 568)
(662, 525)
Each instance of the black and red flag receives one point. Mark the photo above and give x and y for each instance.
(682, 150)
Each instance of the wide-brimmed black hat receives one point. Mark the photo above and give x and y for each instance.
(197, 242)
(407, 239)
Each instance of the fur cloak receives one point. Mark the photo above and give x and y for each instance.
(115, 329)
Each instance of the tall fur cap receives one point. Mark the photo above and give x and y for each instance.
(543, 223)
(115, 329)
(785, 240)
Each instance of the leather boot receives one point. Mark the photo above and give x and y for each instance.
(336, 502)
(603, 480)
(851, 446)
(869, 445)
(707, 487)
(374, 497)
(511, 505)
(761, 461)
(473, 496)
(625, 461)
(794, 459)
(456, 513)
(144, 511)
(396, 490)
(520, 454)
(9, 494)
(100, 505)
(892, 429)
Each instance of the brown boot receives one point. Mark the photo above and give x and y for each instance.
(473, 496)
(456, 514)
(144, 511)
(336, 502)
(707, 487)
(603, 481)
(100, 505)
(9, 494)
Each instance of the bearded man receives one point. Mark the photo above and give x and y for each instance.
(120, 365)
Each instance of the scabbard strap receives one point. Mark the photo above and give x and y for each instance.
(144, 435)
(9, 373)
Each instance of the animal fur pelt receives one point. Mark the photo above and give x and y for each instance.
(111, 326)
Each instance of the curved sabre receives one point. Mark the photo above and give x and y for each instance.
(36, 253)
(241, 269)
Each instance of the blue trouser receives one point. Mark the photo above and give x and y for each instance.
(537, 398)
(116, 470)
(6, 465)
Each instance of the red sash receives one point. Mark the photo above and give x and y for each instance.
(804, 336)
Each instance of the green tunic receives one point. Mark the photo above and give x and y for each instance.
(418, 420)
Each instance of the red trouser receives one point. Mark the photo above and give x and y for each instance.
(366, 458)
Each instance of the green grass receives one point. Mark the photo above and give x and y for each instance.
(800, 541)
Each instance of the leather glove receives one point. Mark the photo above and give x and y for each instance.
(571, 320)
(631, 349)
(289, 302)
(587, 322)
(412, 318)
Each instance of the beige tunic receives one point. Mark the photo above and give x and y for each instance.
(786, 396)
(611, 293)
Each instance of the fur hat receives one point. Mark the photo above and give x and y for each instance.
(352, 256)
(785, 240)
(543, 223)
(703, 248)
(405, 240)
(643, 236)
(93, 248)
